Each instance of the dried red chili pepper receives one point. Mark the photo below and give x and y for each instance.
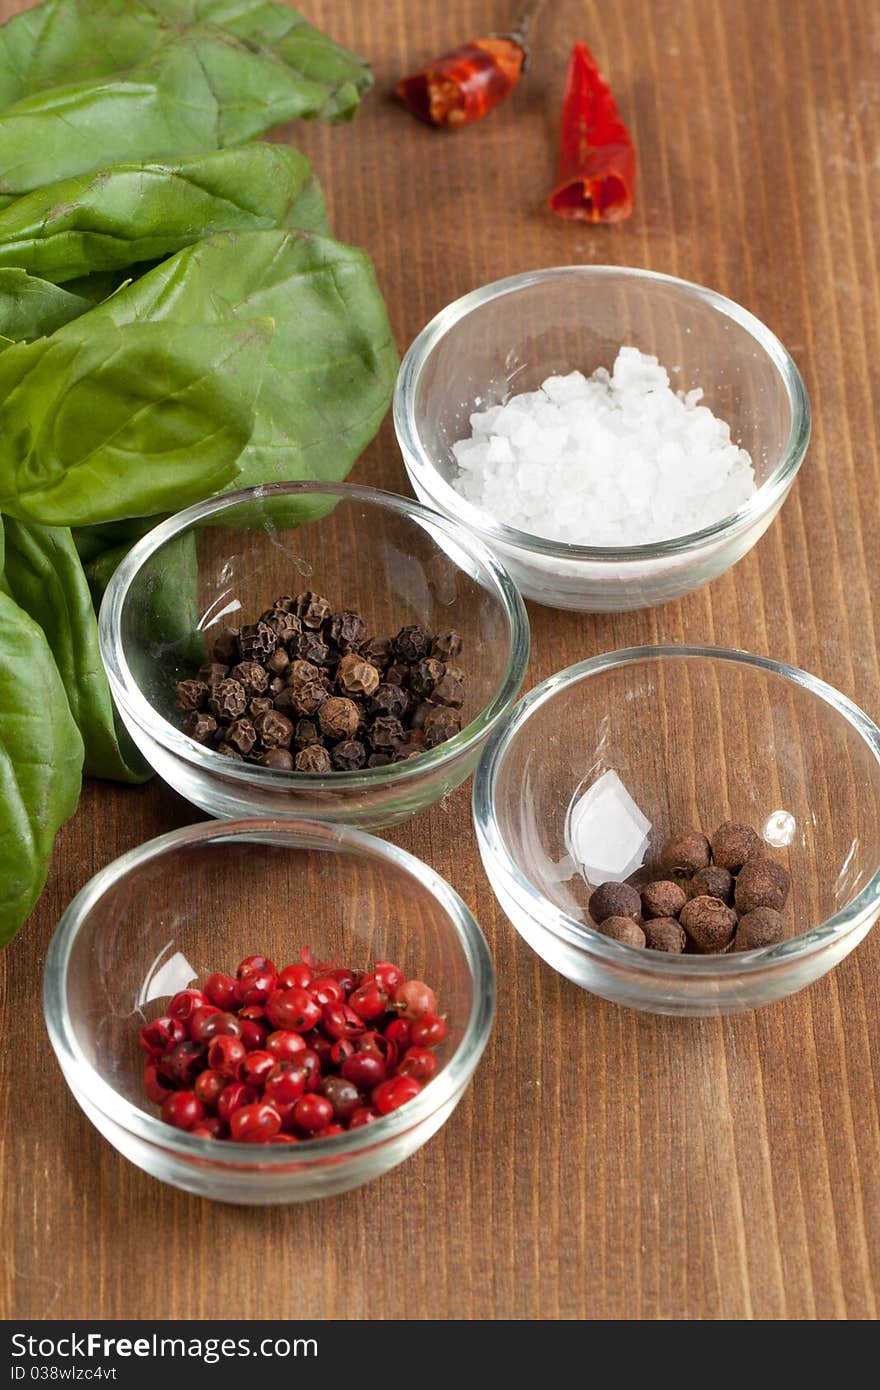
(597, 161)
(464, 86)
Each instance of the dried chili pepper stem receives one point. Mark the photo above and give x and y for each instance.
(464, 86)
(597, 161)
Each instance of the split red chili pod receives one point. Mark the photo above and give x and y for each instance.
(597, 161)
(464, 86)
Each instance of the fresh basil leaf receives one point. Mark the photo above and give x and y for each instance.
(41, 757)
(97, 426)
(46, 579)
(139, 212)
(332, 362)
(31, 308)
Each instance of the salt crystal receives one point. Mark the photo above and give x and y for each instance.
(614, 459)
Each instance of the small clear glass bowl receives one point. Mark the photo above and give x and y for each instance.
(510, 336)
(223, 562)
(202, 898)
(697, 736)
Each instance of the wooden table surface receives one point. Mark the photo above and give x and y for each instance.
(634, 1167)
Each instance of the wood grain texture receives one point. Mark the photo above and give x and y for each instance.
(604, 1164)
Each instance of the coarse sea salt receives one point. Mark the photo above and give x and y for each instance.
(613, 459)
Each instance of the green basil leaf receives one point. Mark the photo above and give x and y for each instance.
(32, 308)
(139, 212)
(46, 579)
(96, 426)
(41, 757)
(65, 41)
(332, 361)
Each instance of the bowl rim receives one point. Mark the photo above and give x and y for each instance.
(305, 834)
(496, 854)
(423, 473)
(127, 693)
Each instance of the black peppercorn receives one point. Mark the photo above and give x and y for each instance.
(345, 630)
(390, 699)
(275, 730)
(441, 724)
(253, 676)
(242, 735)
(412, 643)
(276, 685)
(226, 750)
(256, 642)
(379, 760)
(308, 646)
(446, 645)
(299, 672)
(213, 672)
(303, 699)
(385, 733)
(425, 675)
(199, 725)
(226, 647)
(192, 694)
(377, 650)
(228, 699)
(258, 705)
(312, 610)
(315, 758)
(355, 676)
(338, 717)
(278, 663)
(349, 755)
(419, 714)
(284, 603)
(305, 733)
(279, 758)
(397, 673)
(449, 691)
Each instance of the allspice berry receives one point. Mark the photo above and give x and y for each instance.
(684, 854)
(662, 899)
(709, 923)
(614, 900)
(763, 927)
(712, 882)
(761, 882)
(664, 934)
(622, 929)
(733, 843)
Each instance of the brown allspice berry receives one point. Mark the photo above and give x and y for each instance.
(663, 898)
(684, 854)
(614, 900)
(733, 843)
(763, 927)
(192, 694)
(355, 676)
(664, 934)
(622, 929)
(711, 882)
(761, 882)
(709, 923)
(315, 758)
(339, 717)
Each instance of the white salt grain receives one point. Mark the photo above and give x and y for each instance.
(609, 460)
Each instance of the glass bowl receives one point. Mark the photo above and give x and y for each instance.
(696, 736)
(199, 900)
(224, 562)
(511, 335)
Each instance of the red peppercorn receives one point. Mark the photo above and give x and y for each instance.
(323, 1046)
(326, 990)
(295, 977)
(183, 1109)
(427, 1031)
(313, 1112)
(226, 1054)
(414, 998)
(377, 1044)
(312, 1063)
(183, 1063)
(364, 1115)
(255, 1067)
(346, 979)
(161, 1035)
(253, 1033)
(209, 1087)
(283, 1139)
(292, 1008)
(210, 1022)
(220, 991)
(399, 1031)
(391, 1095)
(285, 1044)
(286, 1115)
(255, 988)
(419, 1063)
(254, 965)
(254, 1124)
(339, 1021)
(342, 1048)
(327, 1132)
(363, 1070)
(388, 975)
(342, 1095)
(211, 1127)
(233, 1098)
(153, 1086)
(369, 1000)
(285, 1083)
(185, 1003)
